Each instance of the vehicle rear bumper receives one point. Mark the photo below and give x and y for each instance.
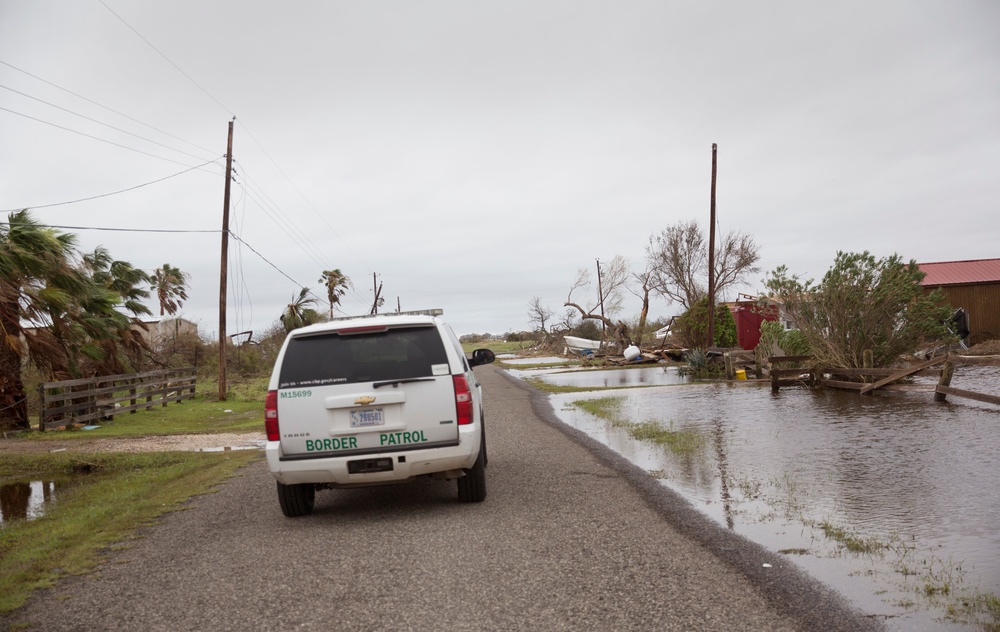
(406, 465)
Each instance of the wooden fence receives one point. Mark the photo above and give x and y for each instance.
(87, 400)
(942, 367)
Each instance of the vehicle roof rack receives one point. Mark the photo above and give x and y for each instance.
(414, 312)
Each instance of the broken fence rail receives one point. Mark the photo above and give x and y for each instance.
(86, 400)
(884, 379)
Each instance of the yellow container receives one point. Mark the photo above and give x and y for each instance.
(741, 374)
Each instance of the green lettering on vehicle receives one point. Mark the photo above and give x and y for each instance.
(295, 394)
(398, 438)
(327, 445)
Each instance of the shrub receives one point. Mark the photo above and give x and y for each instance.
(692, 326)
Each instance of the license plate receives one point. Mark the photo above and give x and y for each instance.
(367, 417)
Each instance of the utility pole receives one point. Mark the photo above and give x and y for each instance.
(600, 298)
(224, 270)
(378, 291)
(711, 257)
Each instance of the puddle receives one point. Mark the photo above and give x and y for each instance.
(257, 446)
(514, 360)
(890, 499)
(617, 378)
(26, 500)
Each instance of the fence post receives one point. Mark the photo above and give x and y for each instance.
(41, 408)
(947, 371)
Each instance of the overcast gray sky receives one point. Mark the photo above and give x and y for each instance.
(474, 155)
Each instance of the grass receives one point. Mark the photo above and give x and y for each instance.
(113, 495)
(851, 541)
(609, 408)
(203, 414)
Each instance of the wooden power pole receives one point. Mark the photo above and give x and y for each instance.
(600, 300)
(224, 270)
(711, 257)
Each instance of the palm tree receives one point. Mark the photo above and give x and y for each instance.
(37, 279)
(337, 284)
(119, 336)
(299, 312)
(59, 310)
(170, 285)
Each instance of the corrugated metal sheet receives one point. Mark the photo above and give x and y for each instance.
(960, 272)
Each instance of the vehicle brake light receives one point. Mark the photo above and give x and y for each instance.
(463, 400)
(368, 329)
(271, 416)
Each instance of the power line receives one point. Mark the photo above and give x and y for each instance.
(93, 120)
(138, 151)
(100, 105)
(103, 195)
(168, 60)
(119, 230)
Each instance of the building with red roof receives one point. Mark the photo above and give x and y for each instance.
(973, 285)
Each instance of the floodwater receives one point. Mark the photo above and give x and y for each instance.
(25, 500)
(511, 359)
(893, 499)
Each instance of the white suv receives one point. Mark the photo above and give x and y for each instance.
(374, 400)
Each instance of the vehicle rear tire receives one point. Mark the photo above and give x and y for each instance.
(472, 486)
(296, 500)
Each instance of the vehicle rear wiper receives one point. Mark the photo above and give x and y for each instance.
(403, 381)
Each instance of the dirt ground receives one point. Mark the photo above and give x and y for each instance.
(990, 347)
(190, 442)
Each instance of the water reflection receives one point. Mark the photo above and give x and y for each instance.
(831, 473)
(616, 378)
(510, 359)
(25, 500)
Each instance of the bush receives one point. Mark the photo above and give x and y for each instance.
(692, 326)
(863, 304)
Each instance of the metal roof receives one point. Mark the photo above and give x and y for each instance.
(961, 272)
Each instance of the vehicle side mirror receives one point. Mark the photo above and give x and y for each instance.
(482, 356)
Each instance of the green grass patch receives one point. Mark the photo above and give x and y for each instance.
(203, 414)
(546, 387)
(609, 408)
(851, 541)
(537, 365)
(111, 495)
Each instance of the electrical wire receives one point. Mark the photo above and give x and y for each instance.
(121, 230)
(100, 105)
(93, 120)
(103, 195)
(138, 151)
(168, 60)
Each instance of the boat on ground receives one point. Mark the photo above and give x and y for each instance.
(582, 345)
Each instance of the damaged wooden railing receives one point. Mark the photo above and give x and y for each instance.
(871, 380)
(793, 376)
(86, 400)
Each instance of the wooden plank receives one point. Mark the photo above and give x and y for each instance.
(784, 359)
(791, 382)
(780, 373)
(976, 360)
(909, 388)
(958, 392)
(904, 373)
(854, 386)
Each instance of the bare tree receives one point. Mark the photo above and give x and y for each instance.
(614, 281)
(640, 286)
(678, 262)
(538, 314)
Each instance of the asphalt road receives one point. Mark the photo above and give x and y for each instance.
(570, 537)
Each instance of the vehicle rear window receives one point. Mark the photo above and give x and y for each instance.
(335, 359)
